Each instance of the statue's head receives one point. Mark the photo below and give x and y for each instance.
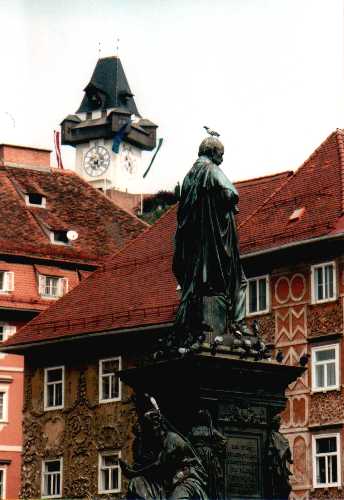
(152, 421)
(212, 148)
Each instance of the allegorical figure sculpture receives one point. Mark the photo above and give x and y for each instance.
(206, 261)
(210, 446)
(166, 465)
(278, 459)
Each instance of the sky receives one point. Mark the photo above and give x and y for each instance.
(268, 75)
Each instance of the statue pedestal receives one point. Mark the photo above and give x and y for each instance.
(241, 396)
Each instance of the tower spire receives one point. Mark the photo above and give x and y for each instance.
(116, 79)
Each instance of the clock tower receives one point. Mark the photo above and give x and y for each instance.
(107, 112)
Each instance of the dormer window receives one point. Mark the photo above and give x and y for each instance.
(297, 214)
(52, 287)
(35, 200)
(59, 237)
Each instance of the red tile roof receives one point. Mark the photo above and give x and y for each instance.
(103, 227)
(134, 288)
(318, 186)
(137, 288)
(253, 192)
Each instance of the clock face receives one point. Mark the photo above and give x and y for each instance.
(97, 161)
(128, 159)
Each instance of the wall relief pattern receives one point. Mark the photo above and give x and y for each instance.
(77, 434)
(327, 494)
(326, 408)
(326, 318)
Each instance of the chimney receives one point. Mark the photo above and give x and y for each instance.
(13, 155)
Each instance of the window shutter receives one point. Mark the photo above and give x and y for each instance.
(41, 284)
(62, 286)
(12, 329)
(9, 330)
(9, 281)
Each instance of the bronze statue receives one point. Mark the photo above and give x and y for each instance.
(166, 465)
(206, 260)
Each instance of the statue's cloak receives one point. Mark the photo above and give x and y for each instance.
(206, 259)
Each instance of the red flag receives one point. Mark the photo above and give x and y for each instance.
(58, 149)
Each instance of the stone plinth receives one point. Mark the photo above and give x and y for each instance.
(242, 397)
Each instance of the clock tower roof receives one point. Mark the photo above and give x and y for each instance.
(108, 88)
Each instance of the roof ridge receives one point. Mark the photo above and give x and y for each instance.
(297, 171)
(340, 142)
(267, 199)
(264, 177)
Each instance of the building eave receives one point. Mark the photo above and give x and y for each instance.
(292, 245)
(21, 348)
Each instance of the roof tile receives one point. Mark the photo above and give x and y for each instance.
(102, 226)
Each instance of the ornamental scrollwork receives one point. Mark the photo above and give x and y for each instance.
(325, 319)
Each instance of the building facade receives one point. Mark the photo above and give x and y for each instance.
(51, 225)
(291, 233)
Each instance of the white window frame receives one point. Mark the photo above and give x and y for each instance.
(4, 482)
(8, 330)
(4, 417)
(58, 242)
(41, 205)
(8, 282)
(46, 370)
(326, 347)
(116, 490)
(322, 265)
(61, 288)
(314, 459)
(100, 377)
(60, 459)
(267, 309)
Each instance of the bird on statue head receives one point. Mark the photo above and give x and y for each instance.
(211, 132)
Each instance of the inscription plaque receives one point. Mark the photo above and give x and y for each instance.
(243, 474)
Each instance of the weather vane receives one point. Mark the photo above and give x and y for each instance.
(99, 48)
(117, 46)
